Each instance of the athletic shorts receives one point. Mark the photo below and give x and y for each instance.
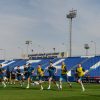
(41, 78)
(19, 77)
(25, 76)
(29, 75)
(79, 78)
(64, 78)
(1, 76)
(8, 75)
(52, 76)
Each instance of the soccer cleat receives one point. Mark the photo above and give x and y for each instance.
(70, 86)
(14, 83)
(4, 86)
(57, 85)
(27, 87)
(48, 88)
(60, 87)
(41, 88)
(21, 85)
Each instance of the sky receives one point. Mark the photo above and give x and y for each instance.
(44, 23)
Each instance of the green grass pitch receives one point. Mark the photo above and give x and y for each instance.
(15, 92)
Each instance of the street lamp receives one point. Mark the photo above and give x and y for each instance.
(28, 43)
(70, 16)
(94, 46)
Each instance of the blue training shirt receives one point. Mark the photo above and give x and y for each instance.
(51, 71)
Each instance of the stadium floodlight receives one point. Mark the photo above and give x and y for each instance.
(28, 43)
(70, 16)
(86, 47)
(54, 49)
(94, 46)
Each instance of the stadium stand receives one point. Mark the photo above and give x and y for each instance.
(71, 63)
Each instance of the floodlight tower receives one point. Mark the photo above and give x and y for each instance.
(70, 16)
(86, 47)
(28, 43)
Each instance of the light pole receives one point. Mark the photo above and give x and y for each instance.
(94, 47)
(54, 49)
(86, 47)
(70, 16)
(28, 43)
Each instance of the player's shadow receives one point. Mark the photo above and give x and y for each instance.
(18, 88)
(55, 90)
(24, 88)
(92, 95)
